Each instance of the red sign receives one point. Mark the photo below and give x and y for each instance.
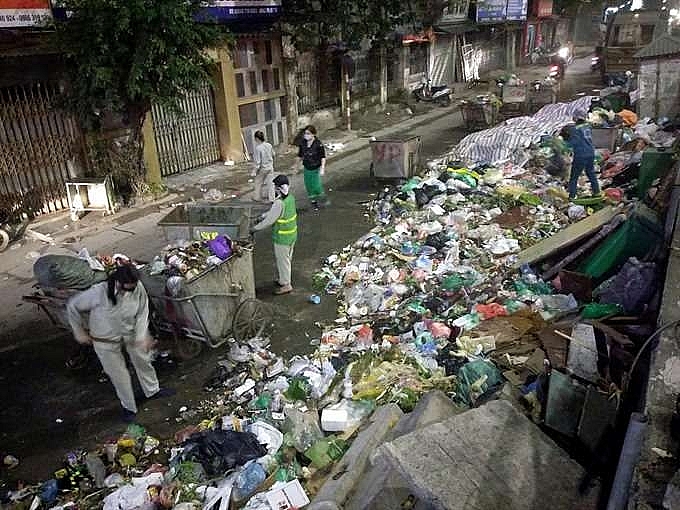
(24, 13)
(543, 8)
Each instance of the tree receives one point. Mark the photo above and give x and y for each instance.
(125, 55)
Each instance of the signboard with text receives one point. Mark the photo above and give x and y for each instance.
(490, 11)
(24, 13)
(517, 10)
(223, 10)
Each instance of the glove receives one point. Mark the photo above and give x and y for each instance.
(322, 171)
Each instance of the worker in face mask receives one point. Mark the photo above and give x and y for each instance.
(282, 217)
(118, 317)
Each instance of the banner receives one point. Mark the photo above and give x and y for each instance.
(24, 13)
(223, 10)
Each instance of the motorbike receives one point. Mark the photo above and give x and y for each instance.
(440, 94)
(557, 67)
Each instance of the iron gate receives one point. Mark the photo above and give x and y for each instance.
(188, 139)
(38, 142)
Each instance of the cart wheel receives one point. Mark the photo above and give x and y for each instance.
(187, 348)
(4, 240)
(252, 319)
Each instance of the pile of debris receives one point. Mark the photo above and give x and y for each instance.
(471, 278)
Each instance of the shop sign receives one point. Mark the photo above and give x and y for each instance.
(239, 9)
(517, 10)
(491, 11)
(24, 13)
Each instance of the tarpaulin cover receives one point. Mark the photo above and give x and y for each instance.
(507, 140)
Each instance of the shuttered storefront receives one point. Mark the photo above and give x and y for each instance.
(188, 139)
(38, 145)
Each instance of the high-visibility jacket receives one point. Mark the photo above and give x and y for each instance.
(284, 230)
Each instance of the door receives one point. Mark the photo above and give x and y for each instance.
(38, 146)
(187, 139)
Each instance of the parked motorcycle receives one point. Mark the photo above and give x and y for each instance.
(440, 94)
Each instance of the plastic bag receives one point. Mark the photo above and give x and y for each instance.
(597, 310)
(345, 415)
(326, 451)
(301, 429)
(475, 379)
(491, 310)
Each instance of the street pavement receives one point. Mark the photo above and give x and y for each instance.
(47, 410)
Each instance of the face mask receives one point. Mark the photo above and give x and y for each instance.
(308, 136)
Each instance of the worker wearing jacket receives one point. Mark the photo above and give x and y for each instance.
(580, 138)
(118, 316)
(282, 217)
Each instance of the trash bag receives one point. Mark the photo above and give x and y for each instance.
(437, 241)
(421, 197)
(632, 287)
(66, 272)
(218, 451)
(475, 379)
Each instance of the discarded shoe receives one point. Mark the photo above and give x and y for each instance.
(286, 289)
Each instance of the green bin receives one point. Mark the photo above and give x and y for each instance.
(656, 162)
(639, 235)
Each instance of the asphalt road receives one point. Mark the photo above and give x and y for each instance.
(46, 410)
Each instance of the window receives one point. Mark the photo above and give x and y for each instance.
(647, 35)
(277, 79)
(248, 113)
(241, 55)
(418, 58)
(269, 110)
(252, 76)
(240, 86)
(268, 57)
(265, 80)
(270, 132)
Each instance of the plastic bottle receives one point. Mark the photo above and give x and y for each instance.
(314, 299)
(277, 402)
(96, 469)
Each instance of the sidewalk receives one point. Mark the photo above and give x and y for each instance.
(233, 180)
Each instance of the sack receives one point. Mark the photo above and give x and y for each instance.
(66, 272)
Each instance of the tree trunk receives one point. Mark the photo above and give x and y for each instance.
(290, 82)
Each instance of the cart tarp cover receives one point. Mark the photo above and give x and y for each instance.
(507, 140)
(66, 272)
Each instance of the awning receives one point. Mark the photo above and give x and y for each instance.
(414, 38)
(456, 28)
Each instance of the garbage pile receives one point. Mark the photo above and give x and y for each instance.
(440, 294)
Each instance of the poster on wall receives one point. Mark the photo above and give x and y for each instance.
(490, 11)
(231, 10)
(517, 10)
(24, 13)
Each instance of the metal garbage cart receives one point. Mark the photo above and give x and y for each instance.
(480, 113)
(395, 158)
(210, 307)
(514, 99)
(539, 96)
(205, 221)
(605, 138)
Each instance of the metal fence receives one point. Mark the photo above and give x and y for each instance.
(318, 81)
(38, 144)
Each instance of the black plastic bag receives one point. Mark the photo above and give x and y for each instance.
(219, 451)
(421, 197)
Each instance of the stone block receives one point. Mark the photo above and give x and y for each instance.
(489, 457)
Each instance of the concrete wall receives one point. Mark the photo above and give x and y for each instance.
(664, 101)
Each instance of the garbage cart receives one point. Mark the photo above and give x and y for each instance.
(395, 158)
(540, 96)
(205, 221)
(479, 114)
(210, 307)
(514, 99)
